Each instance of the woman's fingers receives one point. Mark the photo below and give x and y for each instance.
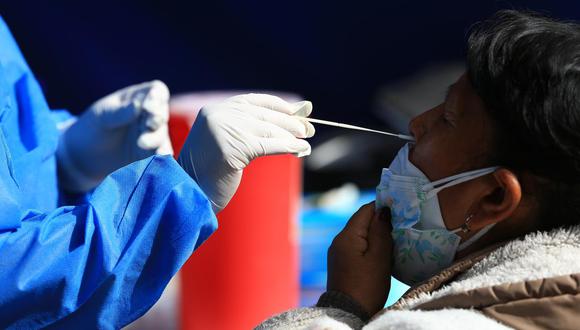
(360, 221)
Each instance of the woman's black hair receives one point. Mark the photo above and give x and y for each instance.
(526, 69)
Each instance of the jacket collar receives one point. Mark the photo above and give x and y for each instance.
(537, 256)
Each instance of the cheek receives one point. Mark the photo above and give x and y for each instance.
(455, 202)
(447, 204)
(434, 156)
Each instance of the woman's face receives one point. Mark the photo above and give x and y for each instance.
(454, 137)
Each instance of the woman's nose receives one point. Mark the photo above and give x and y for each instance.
(416, 127)
(420, 125)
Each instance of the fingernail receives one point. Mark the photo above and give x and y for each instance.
(385, 213)
(308, 129)
(299, 105)
(304, 148)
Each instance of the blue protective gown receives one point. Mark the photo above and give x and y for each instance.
(103, 262)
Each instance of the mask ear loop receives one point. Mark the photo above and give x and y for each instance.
(436, 186)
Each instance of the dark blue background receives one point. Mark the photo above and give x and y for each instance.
(335, 53)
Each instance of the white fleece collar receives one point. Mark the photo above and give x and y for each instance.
(537, 255)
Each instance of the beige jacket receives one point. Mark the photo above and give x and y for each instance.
(533, 283)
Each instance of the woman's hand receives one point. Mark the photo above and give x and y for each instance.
(359, 259)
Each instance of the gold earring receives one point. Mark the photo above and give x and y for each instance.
(466, 227)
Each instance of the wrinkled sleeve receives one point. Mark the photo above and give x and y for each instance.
(104, 263)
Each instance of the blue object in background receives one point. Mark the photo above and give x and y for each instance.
(318, 229)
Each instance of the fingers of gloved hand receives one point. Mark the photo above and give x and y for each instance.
(112, 113)
(156, 105)
(158, 90)
(151, 121)
(274, 103)
(310, 130)
(124, 106)
(267, 101)
(253, 127)
(153, 140)
(277, 146)
(297, 126)
(302, 108)
(166, 148)
(274, 140)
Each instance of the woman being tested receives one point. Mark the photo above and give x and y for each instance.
(481, 214)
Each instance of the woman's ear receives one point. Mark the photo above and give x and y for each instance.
(499, 200)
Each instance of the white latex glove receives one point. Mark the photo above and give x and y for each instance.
(227, 136)
(123, 127)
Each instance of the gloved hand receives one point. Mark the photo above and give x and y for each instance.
(227, 136)
(123, 127)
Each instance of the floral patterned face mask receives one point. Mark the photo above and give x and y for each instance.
(423, 245)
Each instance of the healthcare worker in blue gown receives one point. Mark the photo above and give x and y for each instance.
(94, 220)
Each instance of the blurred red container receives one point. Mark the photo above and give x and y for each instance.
(248, 269)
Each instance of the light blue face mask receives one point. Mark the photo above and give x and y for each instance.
(423, 246)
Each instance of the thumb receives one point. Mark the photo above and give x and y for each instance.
(360, 221)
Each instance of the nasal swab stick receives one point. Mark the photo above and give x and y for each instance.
(347, 126)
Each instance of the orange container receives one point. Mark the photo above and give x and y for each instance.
(248, 269)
